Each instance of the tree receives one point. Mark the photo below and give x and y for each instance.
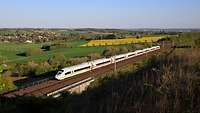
(112, 36)
(57, 61)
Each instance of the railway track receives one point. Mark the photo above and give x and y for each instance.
(52, 85)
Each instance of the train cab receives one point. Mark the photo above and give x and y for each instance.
(59, 74)
(62, 74)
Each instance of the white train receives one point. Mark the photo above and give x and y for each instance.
(88, 66)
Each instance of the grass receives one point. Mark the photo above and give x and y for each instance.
(128, 40)
(10, 51)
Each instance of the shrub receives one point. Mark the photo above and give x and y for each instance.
(42, 68)
(31, 68)
(6, 84)
(33, 51)
(110, 51)
(94, 56)
(46, 47)
(123, 50)
(75, 61)
(58, 60)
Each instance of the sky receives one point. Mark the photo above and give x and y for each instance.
(99, 13)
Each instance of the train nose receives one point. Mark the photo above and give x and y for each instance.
(57, 76)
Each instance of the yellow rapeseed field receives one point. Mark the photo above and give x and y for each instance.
(122, 41)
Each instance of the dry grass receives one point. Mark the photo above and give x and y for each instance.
(167, 84)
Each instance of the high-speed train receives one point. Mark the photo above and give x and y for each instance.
(88, 66)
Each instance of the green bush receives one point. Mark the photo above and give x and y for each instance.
(75, 61)
(46, 47)
(57, 61)
(94, 56)
(43, 68)
(6, 84)
(123, 50)
(110, 51)
(33, 51)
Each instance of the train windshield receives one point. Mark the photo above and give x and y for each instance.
(60, 72)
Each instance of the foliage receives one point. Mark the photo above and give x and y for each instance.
(187, 39)
(123, 50)
(33, 51)
(6, 84)
(43, 67)
(94, 56)
(75, 61)
(166, 83)
(110, 51)
(57, 61)
(46, 47)
(197, 42)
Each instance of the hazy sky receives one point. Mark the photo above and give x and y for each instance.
(100, 13)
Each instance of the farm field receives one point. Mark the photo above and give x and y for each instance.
(10, 51)
(128, 40)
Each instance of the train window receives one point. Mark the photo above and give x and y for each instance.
(82, 69)
(67, 73)
(131, 55)
(119, 58)
(102, 63)
(60, 72)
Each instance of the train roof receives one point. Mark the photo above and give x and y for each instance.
(119, 56)
(101, 60)
(79, 66)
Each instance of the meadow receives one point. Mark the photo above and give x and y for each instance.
(128, 40)
(10, 51)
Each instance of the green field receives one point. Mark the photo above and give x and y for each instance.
(10, 51)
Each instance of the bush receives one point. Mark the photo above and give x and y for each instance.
(94, 56)
(31, 68)
(6, 84)
(33, 51)
(46, 47)
(75, 61)
(57, 61)
(3, 67)
(123, 50)
(110, 51)
(43, 68)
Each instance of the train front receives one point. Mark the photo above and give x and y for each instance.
(59, 74)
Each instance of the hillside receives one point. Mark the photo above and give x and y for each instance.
(168, 83)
